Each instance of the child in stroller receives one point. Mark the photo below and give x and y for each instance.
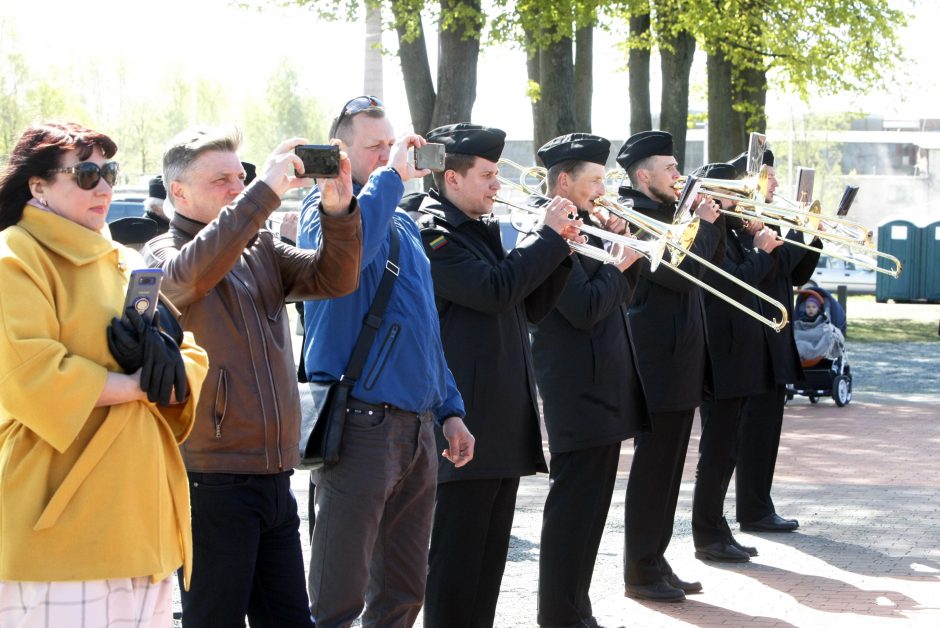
(819, 332)
(816, 337)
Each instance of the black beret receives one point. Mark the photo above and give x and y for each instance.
(249, 172)
(768, 157)
(718, 170)
(739, 164)
(645, 144)
(579, 146)
(156, 187)
(470, 139)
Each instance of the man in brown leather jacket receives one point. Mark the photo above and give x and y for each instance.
(230, 279)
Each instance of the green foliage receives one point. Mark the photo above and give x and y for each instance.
(285, 111)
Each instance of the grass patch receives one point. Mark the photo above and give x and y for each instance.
(892, 330)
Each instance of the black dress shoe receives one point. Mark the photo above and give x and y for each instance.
(658, 592)
(750, 551)
(771, 523)
(687, 587)
(721, 552)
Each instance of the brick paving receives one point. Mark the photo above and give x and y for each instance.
(862, 480)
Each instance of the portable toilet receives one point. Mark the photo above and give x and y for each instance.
(931, 262)
(900, 237)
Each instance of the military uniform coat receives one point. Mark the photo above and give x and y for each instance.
(737, 346)
(584, 359)
(667, 321)
(485, 300)
(794, 267)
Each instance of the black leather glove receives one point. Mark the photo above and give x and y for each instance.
(137, 344)
(163, 369)
(126, 344)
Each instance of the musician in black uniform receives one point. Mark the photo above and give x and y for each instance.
(486, 299)
(740, 367)
(762, 415)
(591, 393)
(667, 325)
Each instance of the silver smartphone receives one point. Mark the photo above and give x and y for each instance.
(430, 157)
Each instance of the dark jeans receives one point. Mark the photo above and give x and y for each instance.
(758, 441)
(572, 526)
(716, 459)
(652, 494)
(246, 553)
(370, 541)
(469, 542)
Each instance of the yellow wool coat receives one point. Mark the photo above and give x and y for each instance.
(86, 493)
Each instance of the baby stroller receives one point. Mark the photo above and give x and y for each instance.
(821, 343)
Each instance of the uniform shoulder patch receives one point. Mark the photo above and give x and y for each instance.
(438, 242)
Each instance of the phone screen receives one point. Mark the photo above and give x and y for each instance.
(320, 161)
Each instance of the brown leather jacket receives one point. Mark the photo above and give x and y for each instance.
(230, 279)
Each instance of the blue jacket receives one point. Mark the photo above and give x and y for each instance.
(406, 365)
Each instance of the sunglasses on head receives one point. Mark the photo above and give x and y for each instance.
(358, 105)
(87, 174)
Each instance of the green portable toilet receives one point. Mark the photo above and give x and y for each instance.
(931, 262)
(900, 237)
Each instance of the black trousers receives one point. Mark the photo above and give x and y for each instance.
(246, 553)
(652, 494)
(469, 543)
(582, 484)
(758, 441)
(716, 459)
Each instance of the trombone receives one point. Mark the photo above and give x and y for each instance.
(678, 237)
(840, 231)
(651, 249)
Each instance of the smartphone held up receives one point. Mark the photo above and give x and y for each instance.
(321, 161)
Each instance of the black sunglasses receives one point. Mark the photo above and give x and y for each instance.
(87, 174)
(355, 106)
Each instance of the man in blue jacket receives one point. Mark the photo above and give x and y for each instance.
(373, 523)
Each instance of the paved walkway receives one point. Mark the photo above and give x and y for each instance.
(862, 480)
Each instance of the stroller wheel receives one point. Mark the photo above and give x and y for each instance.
(841, 390)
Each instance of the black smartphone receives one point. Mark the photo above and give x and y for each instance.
(430, 157)
(320, 160)
(143, 292)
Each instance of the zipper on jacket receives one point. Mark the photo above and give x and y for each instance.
(267, 364)
(221, 393)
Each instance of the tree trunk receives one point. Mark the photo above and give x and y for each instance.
(556, 78)
(721, 145)
(641, 118)
(583, 76)
(750, 95)
(416, 71)
(676, 63)
(533, 71)
(457, 66)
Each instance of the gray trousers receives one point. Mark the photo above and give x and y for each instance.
(373, 520)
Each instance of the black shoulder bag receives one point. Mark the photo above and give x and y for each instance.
(321, 429)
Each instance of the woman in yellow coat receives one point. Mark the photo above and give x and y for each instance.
(94, 507)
